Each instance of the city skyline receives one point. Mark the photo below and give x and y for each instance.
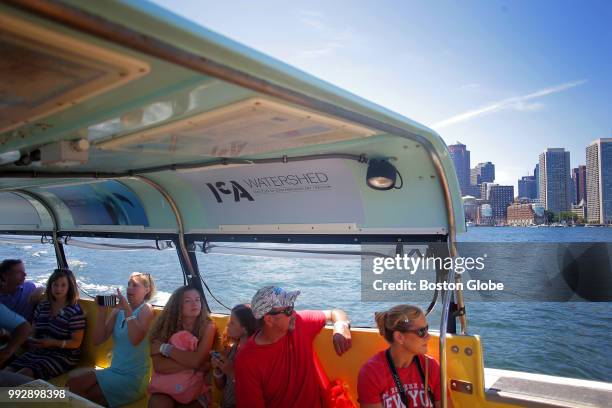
(506, 93)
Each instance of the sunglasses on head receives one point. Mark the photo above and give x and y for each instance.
(421, 332)
(288, 311)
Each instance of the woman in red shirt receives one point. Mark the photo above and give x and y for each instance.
(401, 376)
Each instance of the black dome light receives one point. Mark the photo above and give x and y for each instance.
(381, 175)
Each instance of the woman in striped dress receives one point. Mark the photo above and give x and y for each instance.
(59, 326)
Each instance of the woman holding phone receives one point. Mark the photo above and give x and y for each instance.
(58, 328)
(126, 379)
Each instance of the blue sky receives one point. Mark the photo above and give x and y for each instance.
(506, 78)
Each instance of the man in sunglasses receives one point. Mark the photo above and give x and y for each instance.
(275, 368)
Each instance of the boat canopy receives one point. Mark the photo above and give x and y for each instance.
(122, 119)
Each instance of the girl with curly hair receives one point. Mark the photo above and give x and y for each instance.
(181, 340)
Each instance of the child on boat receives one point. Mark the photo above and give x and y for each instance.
(181, 340)
(241, 325)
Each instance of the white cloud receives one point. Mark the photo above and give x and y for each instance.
(518, 103)
(311, 19)
(468, 87)
(338, 41)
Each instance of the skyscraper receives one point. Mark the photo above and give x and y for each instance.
(483, 173)
(527, 187)
(461, 159)
(554, 180)
(579, 182)
(599, 181)
(500, 197)
(536, 174)
(485, 190)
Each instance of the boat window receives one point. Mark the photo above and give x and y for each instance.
(102, 264)
(36, 252)
(327, 276)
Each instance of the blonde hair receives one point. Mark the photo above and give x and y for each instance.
(147, 281)
(170, 319)
(397, 318)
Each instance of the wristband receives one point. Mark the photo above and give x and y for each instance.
(165, 349)
(132, 317)
(342, 323)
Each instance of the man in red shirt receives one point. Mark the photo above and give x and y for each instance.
(275, 368)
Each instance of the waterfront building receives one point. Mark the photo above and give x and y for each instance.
(484, 215)
(536, 174)
(461, 160)
(524, 214)
(580, 209)
(485, 189)
(499, 198)
(527, 187)
(482, 173)
(474, 190)
(599, 181)
(470, 207)
(579, 184)
(554, 180)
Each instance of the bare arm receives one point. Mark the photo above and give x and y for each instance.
(335, 315)
(104, 326)
(20, 335)
(76, 338)
(342, 334)
(139, 328)
(163, 365)
(195, 359)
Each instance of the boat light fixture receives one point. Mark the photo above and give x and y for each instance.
(382, 175)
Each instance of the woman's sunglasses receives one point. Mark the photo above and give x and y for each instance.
(422, 332)
(288, 311)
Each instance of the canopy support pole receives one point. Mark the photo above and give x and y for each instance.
(60, 256)
(192, 275)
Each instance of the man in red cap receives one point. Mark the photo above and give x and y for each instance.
(275, 368)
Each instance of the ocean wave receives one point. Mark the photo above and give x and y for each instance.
(75, 263)
(160, 298)
(95, 289)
